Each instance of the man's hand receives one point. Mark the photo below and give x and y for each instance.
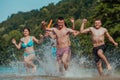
(116, 44)
(84, 21)
(43, 23)
(72, 20)
(41, 36)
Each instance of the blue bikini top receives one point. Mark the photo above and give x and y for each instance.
(29, 44)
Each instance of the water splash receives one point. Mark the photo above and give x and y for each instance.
(80, 66)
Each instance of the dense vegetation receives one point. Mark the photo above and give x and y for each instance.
(106, 10)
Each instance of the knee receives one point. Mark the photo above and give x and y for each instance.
(98, 65)
(26, 60)
(64, 61)
(99, 51)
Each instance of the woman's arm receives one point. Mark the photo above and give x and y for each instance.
(38, 41)
(18, 46)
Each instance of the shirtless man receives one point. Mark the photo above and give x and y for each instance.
(63, 42)
(98, 35)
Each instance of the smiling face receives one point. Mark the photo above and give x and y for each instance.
(60, 24)
(26, 32)
(98, 24)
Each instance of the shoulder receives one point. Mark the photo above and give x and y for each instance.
(104, 29)
(32, 37)
(53, 28)
(69, 30)
(22, 39)
(90, 28)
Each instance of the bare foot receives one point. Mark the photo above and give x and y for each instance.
(34, 69)
(66, 67)
(109, 67)
(105, 75)
(61, 69)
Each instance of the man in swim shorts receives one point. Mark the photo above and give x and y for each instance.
(63, 42)
(98, 36)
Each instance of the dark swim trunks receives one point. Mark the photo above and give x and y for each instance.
(95, 52)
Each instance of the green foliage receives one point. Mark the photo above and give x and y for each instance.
(107, 11)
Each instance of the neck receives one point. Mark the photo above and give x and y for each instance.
(26, 36)
(97, 28)
(60, 28)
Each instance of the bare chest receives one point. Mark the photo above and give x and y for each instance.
(98, 33)
(62, 33)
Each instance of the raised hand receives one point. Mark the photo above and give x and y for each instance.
(43, 25)
(41, 36)
(72, 20)
(13, 41)
(84, 21)
(73, 24)
(116, 44)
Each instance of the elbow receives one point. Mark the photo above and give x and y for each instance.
(81, 32)
(18, 48)
(39, 42)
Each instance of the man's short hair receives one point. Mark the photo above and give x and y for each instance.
(97, 19)
(60, 18)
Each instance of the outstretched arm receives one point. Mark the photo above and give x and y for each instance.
(74, 32)
(73, 23)
(110, 38)
(53, 36)
(38, 41)
(43, 25)
(82, 30)
(18, 46)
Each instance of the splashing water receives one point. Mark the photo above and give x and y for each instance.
(47, 65)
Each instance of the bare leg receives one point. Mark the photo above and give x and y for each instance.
(27, 67)
(65, 60)
(29, 61)
(33, 66)
(102, 56)
(69, 57)
(60, 65)
(99, 67)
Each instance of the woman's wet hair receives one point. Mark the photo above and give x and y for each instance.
(26, 28)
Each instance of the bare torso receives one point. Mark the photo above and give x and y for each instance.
(62, 38)
(29, 49)
(98, 36)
